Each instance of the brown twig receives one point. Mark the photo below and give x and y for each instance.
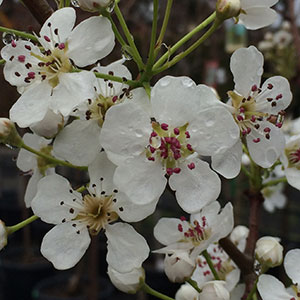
(40, 9)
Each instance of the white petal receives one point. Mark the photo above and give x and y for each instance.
(270, 288)
(64, 246)
(292, 265)
(52, 191)
(126, 282)
(139, 97)
(213, 131)
(258, 17)
(63, 20)
(173, 100)
(73, 89)
(141, 180)
(78, 142)
(266, 151)
(126, 249)
(195, 188)
(246, 65)
(126, 131)
(260, 3)
(90, 41)
(210, 212)
(293, 177)
(32, 106)
(281, 88)
(166, 231)
(228, 164)
(238, 292)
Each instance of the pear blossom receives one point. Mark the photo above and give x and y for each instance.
(34, 165)
(186, 292)
(257, 14)
(195, 236)
(290, 160)
(71, 143)
(78, 216)
(253, 109)
(270, 288)
(44, 77)
(150, 141)
(268, 251)
(224, 266)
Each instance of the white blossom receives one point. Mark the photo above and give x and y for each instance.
(77, 216)
(45, 76)
(151, 140)
(214, 290)
(186, 292)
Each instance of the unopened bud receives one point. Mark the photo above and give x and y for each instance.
(214, 290)
(268, 251)
(8, 133)
(239, 236)
(227, 9)
(95, 5)
(3, 235)
(186, 292)
(179, 266)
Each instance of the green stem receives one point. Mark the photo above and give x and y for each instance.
(14, 228)
(253, 290)
(135, 52)
(114, 28)
(67, 3)
(210, 264)
(151, 57)
(180, 56)
(274, 182)
(183, 40)
(146, 288)
(19, 33)
(246, 172)
(147, 87)
(81, 189)
(51, 158)
(193, 283)
(2, 61)
(164, 27)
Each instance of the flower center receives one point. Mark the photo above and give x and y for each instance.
(97, 212)
(196, 232)
(170, 146)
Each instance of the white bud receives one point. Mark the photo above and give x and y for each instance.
(8, 133)
(3, 235)
(179, 266)
(94, 5)
(239, 236)
(268, 251)
(186, 292)
(214, 290)
(6, 126)
(127, 282)
(227, 9)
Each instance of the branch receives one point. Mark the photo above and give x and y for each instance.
(40, 9)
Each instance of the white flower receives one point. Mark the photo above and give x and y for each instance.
(34, 165)
(151, 140)
(251, 107)
(268, 251)
(274, 197)
(214, 290)
(290, 160)
(179, 266)
(77, 216)
(45, 75)
(224, 266)
(204, 228)
(186, 292)
(128, 282)
(79, 142)
(256, 14)
(3, 235)
(270, 288)
(94, 5)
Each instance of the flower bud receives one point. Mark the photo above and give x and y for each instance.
(179, 266)
(268, 251)
(214, 290)
(127, 282)
(227, 9)
(239, 236)
(95, 5)
(8, 133)
(3, 235)
(186, 292)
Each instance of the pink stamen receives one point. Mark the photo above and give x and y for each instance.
(183, 218)
(270, 86)
(13, 44)
(187, 134)
(267, 129)
(180, 228)
(254, 88)
(256, 140)
(176, 170)
(47, 39)
(191, 166)
(278, 96)
(253, 118)
(176, 131)
(240, 118)
(31, 75)
(164, 126)
(21, 58)
(114, 99)
(61, 46)
(153, 134)
(189, 147)
(169, 171)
